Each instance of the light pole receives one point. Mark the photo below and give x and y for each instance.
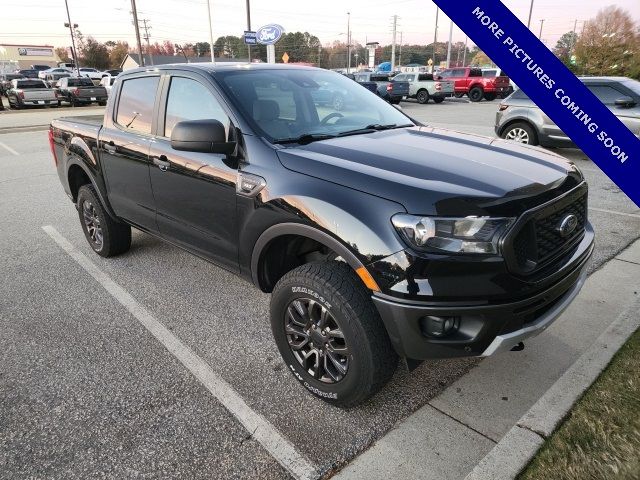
(435, 39)
(71, 26)
(249, 29)
(540, 34)
(134, 11)
(449, 46)
(213, 58)
(530, 11)
(348, 42)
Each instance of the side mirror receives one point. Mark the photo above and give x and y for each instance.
(625, 102)
(207, 136)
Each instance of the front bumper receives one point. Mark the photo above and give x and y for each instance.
(483, 329)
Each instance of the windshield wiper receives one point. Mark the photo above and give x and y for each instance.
(374, 127)
(306, 138)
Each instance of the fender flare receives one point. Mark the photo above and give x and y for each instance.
(304, 231)
(75, 161)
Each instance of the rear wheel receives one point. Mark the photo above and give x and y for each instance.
(476, 94)
(106, 236)
(330, 334)
(102, 104)
(520, 132)
(422, 96)
(438, 99)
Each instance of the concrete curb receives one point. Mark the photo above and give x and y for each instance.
(512, 454)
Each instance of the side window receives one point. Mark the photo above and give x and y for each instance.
(607, 95)
(190, 100)
(475, 72)
(135, 107)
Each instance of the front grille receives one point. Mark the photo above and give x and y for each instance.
(537, 242)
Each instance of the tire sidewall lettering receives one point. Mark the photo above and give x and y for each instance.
(313, 294)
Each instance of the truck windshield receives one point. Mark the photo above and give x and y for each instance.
(285, 105)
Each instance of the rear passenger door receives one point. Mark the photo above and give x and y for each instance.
(195, 192)
(124, 151)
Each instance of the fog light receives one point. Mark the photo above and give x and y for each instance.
(439, 327)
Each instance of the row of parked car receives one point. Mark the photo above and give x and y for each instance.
(75, 91)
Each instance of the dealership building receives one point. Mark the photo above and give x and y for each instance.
(14, 56)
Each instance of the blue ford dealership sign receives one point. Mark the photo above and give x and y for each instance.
(269, 34)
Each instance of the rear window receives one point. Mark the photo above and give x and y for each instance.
(379, 78)
(135, 107)
(489, 73)
(27, 84)
(80, 82)
(425, 76)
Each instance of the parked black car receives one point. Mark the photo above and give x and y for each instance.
(376, 236)
(386, 88)
(80, 91)
(28, 73)
(5, 81)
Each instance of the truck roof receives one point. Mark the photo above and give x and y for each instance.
(220, 67)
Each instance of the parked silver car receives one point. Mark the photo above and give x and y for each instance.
(521, 120)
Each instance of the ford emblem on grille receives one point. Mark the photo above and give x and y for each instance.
(567, 225)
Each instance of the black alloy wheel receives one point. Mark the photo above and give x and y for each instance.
(316, 340)
(92, 224)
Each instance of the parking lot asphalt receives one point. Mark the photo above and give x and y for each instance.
(87, 391)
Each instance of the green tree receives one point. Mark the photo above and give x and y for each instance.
(609, 44)
(564, 47)
(94, 54)
(118, 53)
(230, 46)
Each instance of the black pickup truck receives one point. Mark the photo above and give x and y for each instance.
(385, 86)
(78, 91)
(377, 237)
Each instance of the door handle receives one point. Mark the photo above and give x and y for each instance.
(162, 163)
(110, 147)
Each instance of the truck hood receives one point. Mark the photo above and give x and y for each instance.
(434, 171)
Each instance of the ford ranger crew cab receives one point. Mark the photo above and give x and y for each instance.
(378, 238)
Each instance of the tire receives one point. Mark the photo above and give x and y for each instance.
(438, 99)
(458, 95)
(520, 132)
(102, 104)
(331, 291)
(490, 97)
(105, 236)
(476, 94)
(422, 96)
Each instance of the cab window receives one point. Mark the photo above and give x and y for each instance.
(190, 100)
(135, 107)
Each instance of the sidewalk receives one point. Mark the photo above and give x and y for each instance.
(450, 435)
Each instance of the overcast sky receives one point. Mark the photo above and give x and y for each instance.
(184, 21)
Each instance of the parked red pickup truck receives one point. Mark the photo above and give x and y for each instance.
(469, 81)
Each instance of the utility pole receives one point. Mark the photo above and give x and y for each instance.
(540, 34)
(71, 26)
(449, 46)
(134, 11)
(319, 53)
(530, 11)
(249, 28)
(147, 37)
(393, 44)
(400, 59)
(348, 42)
(213, 57)
(573, 37)
(435, 39)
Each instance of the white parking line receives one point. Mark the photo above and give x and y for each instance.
(9, 149)
(259, 427)
(613, 212)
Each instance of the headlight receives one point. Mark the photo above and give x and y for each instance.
(457, 235)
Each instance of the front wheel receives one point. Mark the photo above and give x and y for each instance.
(106, 236)
(520, 132)
(330, 334)
(490, 97)
(438, 99)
